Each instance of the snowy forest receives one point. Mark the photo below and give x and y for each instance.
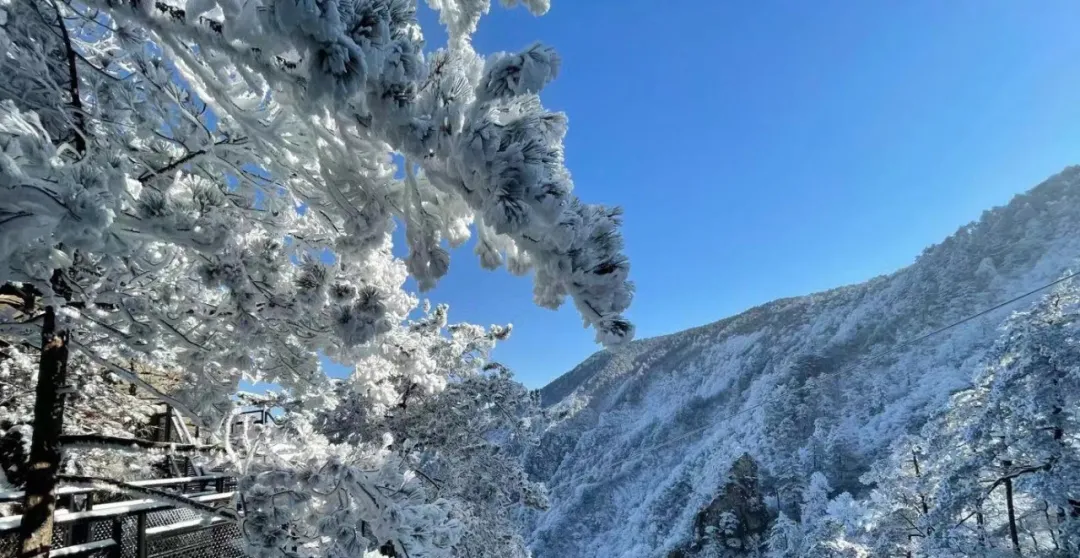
(201, 195)
(932, 412)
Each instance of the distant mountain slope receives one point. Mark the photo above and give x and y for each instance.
(645, 438)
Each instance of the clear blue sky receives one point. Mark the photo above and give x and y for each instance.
(771, 149)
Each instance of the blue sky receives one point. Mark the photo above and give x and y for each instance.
(771, 149)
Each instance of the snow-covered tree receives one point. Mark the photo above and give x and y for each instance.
(1019, 445)
(899, 502)
(181, 195)
(438, 472)
(813, 516)
(994, 473)
(785, 538)
(466, 440)
(814, 533)
(97, 405)
(208, 187)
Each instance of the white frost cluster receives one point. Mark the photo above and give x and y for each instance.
(207, 188)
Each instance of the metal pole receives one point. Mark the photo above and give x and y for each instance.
(168, 424)
(140, 537)
(118, 536)
(80, 531)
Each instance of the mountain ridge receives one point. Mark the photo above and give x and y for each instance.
(610, 498)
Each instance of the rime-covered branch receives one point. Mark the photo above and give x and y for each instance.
(229, 218)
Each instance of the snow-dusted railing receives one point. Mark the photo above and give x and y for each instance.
(172, 425)
(265, 415)
(9, 496)
(87, 549)
(181, 427)
(117, 512)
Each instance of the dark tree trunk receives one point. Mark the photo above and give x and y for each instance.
(1014, 535)
(918, 475)
(35, 533)
(981, 522)
(388, 549)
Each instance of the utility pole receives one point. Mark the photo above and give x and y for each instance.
(36, 530)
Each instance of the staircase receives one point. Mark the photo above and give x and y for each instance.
(169, 426)
(91, 522)
(96, 523)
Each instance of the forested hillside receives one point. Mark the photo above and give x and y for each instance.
(871, 420)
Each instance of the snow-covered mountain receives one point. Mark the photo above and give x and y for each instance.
(644, 439)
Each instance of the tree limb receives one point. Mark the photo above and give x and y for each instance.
(76, 99)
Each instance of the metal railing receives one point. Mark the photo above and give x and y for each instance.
(90, 524)
(265, 416)
(93, 522)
